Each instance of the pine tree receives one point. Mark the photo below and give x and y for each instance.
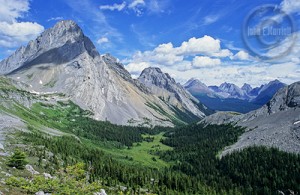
(17, 159)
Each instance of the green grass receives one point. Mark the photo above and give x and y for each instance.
(5, 84)
(141, 154)
(160, 110)
(61, 116)
(42, 115)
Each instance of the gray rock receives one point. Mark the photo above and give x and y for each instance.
(276, 124)
(102, 192)
(47, 176)
(42, 193)
(164, 86)
(31, 170)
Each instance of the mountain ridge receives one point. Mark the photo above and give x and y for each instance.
(274, 124)
(63, 60)
(229, 97)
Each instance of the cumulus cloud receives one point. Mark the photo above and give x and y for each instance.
(205, 62)
(195, 53)
(12, 32)
(205, 59)
(205, 45)
(21, 31)
(12, 9)
(241, 55)
(136, 68)
(115, 6)
(253, 73)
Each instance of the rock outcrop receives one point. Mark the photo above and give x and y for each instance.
(165, 87)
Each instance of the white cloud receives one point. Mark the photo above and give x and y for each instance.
(241, 55)
(55, 18)
(136, 3)
(139, 6)
(203, 58)
(205, 62)
(290, 6)
(136, 68)
(12, 32)
(166, 55)
(22, 31)
(205, 45)
(254, 73)
(210, 19)
(103, 40)
(12, 9)
(113, 7)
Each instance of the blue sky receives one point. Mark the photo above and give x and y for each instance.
(201, 39)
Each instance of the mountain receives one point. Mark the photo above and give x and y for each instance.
(172, 93)
(232, 90)
(276, 124)
(246, 88)
(195, 86)
(62, 60)
(267, 92)
(229, 97)
(255, 91)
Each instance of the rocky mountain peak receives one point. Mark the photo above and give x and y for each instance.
(247, 88)
(162, 84)
(293, 95)
(59, 44)
(266, 92)
(232, 89)
(193, 82)
(154, 75)
(285, 98)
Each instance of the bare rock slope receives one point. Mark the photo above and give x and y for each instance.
(276, 124)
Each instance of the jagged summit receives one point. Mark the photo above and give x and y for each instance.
(233, 90)
(193, 81)
(154, 75)
(164, 86)
(246, 88)
(59, 44)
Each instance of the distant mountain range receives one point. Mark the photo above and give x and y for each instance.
(276, 124)
(230, 97)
